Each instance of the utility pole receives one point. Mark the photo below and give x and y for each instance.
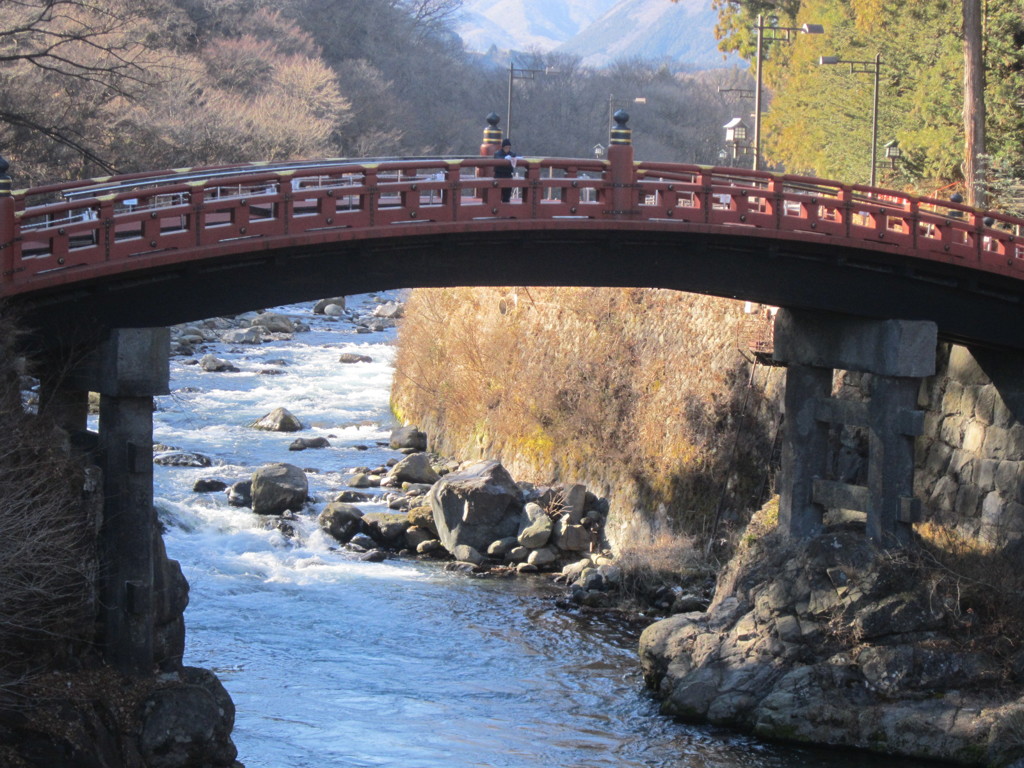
(974, 104)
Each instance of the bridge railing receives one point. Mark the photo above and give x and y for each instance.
(64, 231)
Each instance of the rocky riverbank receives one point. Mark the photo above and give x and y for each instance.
(833, 641)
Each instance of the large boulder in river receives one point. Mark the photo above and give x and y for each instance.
(342, 521)
(320, 308)
(476, 506)
(407, 437)
(389, 309)
(386, 528)
(278, 420)
(273, 323)
(414, 468)
(277, 488)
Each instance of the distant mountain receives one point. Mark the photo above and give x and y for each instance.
(524, 25)
(598, 31)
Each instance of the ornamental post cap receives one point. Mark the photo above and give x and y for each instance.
(621, 117)
(493, 119)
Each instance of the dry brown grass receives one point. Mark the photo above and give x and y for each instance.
(981, 586)
(652, 563)
(639, 393)
(47, 545)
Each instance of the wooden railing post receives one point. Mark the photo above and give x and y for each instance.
(491, 142)
(8, 222)
(621, 171)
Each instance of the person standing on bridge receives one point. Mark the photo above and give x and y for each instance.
(505, 171)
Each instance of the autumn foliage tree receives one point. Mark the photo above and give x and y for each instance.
(819, 118)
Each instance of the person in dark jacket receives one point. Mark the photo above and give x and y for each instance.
(505, 171)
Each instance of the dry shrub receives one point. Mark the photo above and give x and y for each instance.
(642, 394)
(980, 585)
(655, 562)
(47, 539)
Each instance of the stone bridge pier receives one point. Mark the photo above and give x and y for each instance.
(127, 369)
(898, 354)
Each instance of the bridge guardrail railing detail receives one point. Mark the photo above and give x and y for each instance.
(63, 232)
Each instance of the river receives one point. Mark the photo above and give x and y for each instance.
(332, 661)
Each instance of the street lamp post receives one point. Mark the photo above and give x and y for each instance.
(776, 33)
(520, 73)
(613, 102)
(871, 68)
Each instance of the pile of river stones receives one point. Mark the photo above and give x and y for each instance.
(474, 515)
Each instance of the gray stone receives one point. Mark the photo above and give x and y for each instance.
(386, 528)
(243, 336)
(181, 459)
(240, 494)
(340, 520)
(415, 536)
(352, 497)
(212, 364)
(431, 547)
(476, 506)
(467, 554)
(408, 437)
(519, 554)
(302, 443)
(543, 556)
(573, 538)
(361, 480)
(573, 500)
(535, 511)
(273, 322)
(320, 308)
(277, 488)
(208, 485)
(573, 571)
(688, 603)
(391, 310)
(612, 574)
(537, 533)
(278, 420)
(499, 549)
(414, 468)
(350, 358)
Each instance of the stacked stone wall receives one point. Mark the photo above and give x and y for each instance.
(970, 460)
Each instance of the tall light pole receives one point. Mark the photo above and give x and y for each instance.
(974, 102)
(613, 103)
(520, 73)
(775, 33)
(872, 68)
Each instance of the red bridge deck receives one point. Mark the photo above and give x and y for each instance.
(86, 230)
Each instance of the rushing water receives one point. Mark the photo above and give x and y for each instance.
(332, 661)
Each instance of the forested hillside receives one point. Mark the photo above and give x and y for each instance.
(119, 85)
(104, 86)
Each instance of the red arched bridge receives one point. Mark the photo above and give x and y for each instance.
(154, 249)
(129, 254)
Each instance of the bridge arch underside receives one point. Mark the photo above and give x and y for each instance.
(967, 306)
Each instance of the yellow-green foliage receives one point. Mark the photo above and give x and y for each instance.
(642, 394)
